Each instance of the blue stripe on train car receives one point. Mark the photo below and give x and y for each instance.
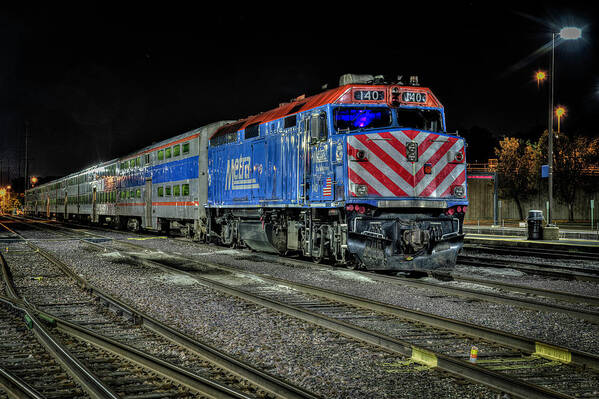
(181, 169)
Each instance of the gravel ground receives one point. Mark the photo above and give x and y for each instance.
(329, 370)
(322, 361)
(582, 263)
(555, 328)
(512, 276)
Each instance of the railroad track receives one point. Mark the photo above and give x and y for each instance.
(547, 253)
(550, 270)
(527, 368)
(160, 354)
(27, 368)
(427, 339)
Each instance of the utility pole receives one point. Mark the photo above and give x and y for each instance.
(26, 160)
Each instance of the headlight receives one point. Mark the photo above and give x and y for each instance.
(361, 190)
(459, 191)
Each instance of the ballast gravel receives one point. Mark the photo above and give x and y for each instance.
(555, 328)
(317, 359)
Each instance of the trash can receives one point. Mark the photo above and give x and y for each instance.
(535, 224)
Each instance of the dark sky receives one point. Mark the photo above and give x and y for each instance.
(97, 82)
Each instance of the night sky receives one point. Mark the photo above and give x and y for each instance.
(97, 82)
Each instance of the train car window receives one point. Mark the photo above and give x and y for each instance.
(132, 163)
(348, 119)
(138, 193)
(177, 190)
(167, 153)
(185, 148)
(160, 155)
(425, 119)
(185, 189)
(252, 131)
(290, 121)
(138, 161)
(167, 191)
(176, 150)
(161, 191)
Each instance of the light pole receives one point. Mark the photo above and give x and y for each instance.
(567, 33)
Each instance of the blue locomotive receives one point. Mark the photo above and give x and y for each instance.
(363, 174)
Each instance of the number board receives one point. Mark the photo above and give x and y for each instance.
(413, 97)
(369, 95)
(412, 151)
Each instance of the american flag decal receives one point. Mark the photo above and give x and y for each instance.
(327, 191)
(380, 162)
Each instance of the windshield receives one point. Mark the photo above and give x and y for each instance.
(349, 119)
(425, 119)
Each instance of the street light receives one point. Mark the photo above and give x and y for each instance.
(559, 112)
(566, 33)
(540, 76)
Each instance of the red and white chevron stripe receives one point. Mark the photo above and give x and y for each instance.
(386, 172)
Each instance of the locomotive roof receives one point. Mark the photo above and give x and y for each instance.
(304, 104)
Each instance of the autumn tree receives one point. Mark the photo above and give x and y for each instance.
(518, 169)
(572, 156)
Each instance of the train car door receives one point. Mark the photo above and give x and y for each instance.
(148, 201)
(321, 173)
(256, 167)
(66, 201)
(94, 215)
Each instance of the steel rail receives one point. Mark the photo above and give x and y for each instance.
(549, 250)
(455, 366)
(559, 295)
(588, 315)
(424, 356)
(568, 273)
(172, 372)
(16, 387)
(525, 344)
(258, 377)
(77, 370)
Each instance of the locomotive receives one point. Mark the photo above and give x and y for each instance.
(363, 175)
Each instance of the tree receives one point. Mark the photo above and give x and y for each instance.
(572, 156)
(518, 169)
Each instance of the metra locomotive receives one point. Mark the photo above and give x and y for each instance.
(363, 174)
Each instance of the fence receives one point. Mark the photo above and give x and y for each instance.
(481, 191)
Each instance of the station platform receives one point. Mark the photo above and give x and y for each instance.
(569, 240)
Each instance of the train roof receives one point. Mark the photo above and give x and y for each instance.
(338, 95)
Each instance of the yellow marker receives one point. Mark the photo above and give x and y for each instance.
(553, 352)
(423, 356)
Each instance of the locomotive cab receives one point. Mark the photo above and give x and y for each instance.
(394, 174)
